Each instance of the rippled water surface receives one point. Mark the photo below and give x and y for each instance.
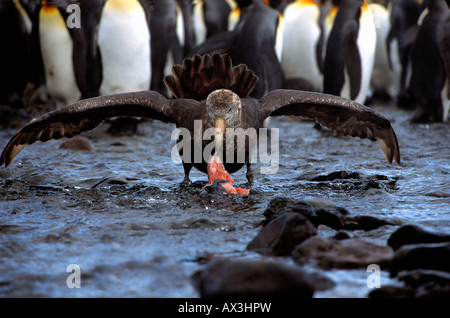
(120, 213)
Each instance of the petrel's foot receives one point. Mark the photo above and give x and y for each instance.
(186, 180)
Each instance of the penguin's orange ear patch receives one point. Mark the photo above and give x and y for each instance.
(365, 5)
(48, 7)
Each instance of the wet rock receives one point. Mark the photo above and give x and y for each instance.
(194, 223)
(282, 235)
(352, 181)
(280, 205)
(343, 174)
(414, 234)
(329, 215)
(77, 143)
(332, 216)
(425, 256)
(224, 277)
(433, 290)
(420, 277)
(363, 222)
(342, 235)
(5, 173)
(418, 284)
(329, 253)
(393, 292)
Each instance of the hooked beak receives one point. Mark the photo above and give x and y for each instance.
(220, 124)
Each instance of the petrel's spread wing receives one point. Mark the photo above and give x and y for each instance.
(87, 114)
(340, 114)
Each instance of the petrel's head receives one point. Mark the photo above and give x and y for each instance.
(224, 109)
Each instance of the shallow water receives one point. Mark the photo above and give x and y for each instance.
(120, 213)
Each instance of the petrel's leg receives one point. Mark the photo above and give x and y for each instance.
(187, 169)
(249, 174)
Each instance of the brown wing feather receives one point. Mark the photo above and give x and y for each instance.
(340, 114)
(87, 114)
(198, 76)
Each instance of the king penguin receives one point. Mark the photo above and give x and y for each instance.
(255, 41)
(124, 43)
(166, 46)
(427, 66)
(86, 54)
(350, 51)
(56, 46)
(385, 77)
(403, 16)
(302, 45)
(445, 52)
(15, 32)
(210, 17)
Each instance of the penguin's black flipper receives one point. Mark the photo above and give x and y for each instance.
(164, 40)
(352, 59)
(321, 44)
(86, 54)
(445, 51)
(216, 14)
(219, 43)
(271, 68)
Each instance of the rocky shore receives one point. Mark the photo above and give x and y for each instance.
(297, 236)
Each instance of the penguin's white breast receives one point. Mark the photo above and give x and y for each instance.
(367, 39)
(57, 49)
(124, 42)
(300, 36)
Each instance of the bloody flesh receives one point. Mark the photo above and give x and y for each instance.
(216, 171)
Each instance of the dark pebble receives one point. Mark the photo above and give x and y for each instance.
(77, 143)
(342, 235)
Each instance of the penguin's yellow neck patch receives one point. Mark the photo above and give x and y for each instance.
(122, 5)
(301, 3)
(47, 8)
